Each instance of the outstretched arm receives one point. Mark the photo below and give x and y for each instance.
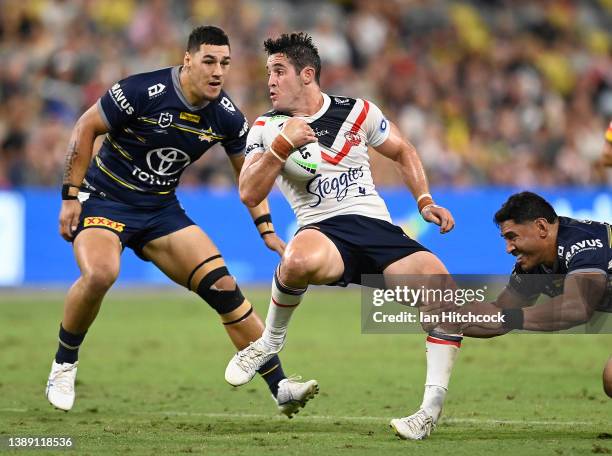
(411, 169)
(80, 149)
(582, 292)
(506, 300)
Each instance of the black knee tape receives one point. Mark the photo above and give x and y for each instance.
(239, 319)
(214, 257)
(223, 301)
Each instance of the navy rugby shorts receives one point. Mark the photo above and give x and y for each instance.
(367, 245)
(135, 226)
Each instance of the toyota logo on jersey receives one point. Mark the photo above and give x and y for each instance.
(167, 161)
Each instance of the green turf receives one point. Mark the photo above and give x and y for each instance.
(151, 382)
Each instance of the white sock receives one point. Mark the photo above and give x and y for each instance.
(283, 302)
(442, 350)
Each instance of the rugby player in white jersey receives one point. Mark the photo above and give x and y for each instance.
(345, 227)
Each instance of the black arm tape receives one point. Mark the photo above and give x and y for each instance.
(266, 232)
(513, 318)
(65, 190)
(263, 219)
(223, 301)
(214, 257)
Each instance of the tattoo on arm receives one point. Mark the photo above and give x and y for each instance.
(69, 162)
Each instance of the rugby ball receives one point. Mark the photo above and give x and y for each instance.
(303, 163)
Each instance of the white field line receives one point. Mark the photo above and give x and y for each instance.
(449, 420)
(253, 416)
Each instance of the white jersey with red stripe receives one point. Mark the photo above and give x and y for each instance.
(345, 127)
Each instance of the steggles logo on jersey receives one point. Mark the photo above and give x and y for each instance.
(335, 187)
(341, 100)
(165, 120)
(167, 161)
(352, 138)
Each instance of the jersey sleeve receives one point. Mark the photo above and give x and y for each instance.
(255, 144)
(588, 256)
(376, 125)
(119, 104)
(527, 286)
(235, 142)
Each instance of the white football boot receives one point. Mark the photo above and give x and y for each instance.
(293, 395)
(60, 385)
(414, 427)
(245, 364)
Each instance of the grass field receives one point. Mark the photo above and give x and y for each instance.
(151, 382)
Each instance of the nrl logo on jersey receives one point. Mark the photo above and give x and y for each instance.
(165, 120)
(156, 90)
(318, 133)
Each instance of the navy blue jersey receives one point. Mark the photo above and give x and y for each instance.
(155, 133)
(582, 245)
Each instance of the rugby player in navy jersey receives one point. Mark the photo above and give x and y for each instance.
(155, 125)
(345, 227)
(569, 260)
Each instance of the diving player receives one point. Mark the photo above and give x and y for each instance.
(155, 125)
(569, 260)
(345, 227)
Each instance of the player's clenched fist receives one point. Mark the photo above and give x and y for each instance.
(69, 218)
(298, 132)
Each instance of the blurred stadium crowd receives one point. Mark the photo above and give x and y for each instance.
(505, 92)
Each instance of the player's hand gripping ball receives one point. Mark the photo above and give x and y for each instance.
(303, 163)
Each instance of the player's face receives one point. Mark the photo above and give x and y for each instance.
(284, 83)
(526, 241)
(206, 70)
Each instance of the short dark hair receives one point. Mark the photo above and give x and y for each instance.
(525, 207)
(299, 49)
(206, 34)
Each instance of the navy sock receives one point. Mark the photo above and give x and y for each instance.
(272, 373)
(68, 349)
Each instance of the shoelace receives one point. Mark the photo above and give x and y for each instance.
(417, 421)
(63, 382)
(294, 378)
(249, 357)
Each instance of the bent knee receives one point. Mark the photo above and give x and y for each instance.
(299, 265)
(100, 278)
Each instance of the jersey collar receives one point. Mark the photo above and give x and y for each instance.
(320, 112)
(176, 82)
